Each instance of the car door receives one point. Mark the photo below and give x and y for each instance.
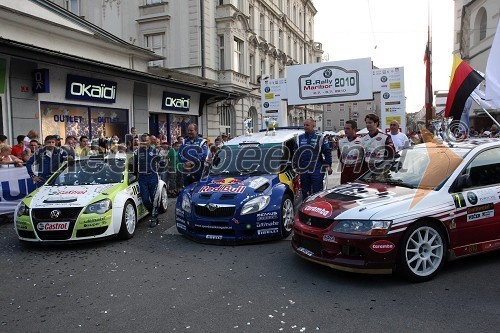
(477, 218)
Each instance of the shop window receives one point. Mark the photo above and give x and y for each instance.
(179, 124)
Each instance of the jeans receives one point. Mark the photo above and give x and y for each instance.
(148, 184)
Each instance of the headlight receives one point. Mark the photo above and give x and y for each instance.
(23, 210)
(99, 207)
(255, 205)
(363, 227)
(186, 203)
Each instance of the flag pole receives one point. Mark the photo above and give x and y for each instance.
(475, 98)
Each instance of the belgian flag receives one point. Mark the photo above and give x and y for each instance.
(464, 79)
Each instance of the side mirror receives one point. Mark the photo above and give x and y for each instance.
(131, 178)
(462, 181)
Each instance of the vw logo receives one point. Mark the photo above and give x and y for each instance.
(55, 213)
(211, 207)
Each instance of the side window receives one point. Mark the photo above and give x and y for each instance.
(131, 171)
(485, 168)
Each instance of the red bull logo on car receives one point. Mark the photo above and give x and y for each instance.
(223, 189)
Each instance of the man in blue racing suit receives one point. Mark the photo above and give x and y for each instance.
(193, 153)
(312, 156)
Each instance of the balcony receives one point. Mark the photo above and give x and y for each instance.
(153, 12)
(230, 77)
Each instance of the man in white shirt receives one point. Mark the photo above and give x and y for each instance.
(399, 139)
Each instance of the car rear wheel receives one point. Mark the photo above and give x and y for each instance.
(422, 252)
(163, 200)
(286, 216)
(129, 221)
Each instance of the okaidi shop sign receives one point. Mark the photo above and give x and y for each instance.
(330, 82)
(90, 89)
(175, 102)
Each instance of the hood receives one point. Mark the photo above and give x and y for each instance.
(223, 187)
(68, 196)
(366, 199)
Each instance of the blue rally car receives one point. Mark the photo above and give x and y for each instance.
(248, 195)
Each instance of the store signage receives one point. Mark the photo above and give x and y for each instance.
(89, 89)
(41, 81)
(175, 102)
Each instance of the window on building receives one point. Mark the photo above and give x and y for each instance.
(281, 73)
(288, 8)
(482, 26)
(329, 123)
(262, 27)
(271, 71)
(369, 106)
(280, 4)
(301, 25)
(289, 46)
(280, 40)
(271, 33)
(155, 43)
(251, 64)
(251, 13)
(294, 14)
(222, 63)
(152, 2)
(342, 123)
(237, 55)
(73, 6)
(262, 67)
(224, 112)
(341, 107)
(328, 108)
(354, 106)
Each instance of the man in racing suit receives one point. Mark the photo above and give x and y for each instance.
(312, 156)
(146, 161)
(47, 160)
(192, 154)
(351, 154)
(378, 146)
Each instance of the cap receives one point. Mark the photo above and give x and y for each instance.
(57, 137)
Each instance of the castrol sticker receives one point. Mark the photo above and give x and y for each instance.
(53, 226)
(382, 246)
(321, 209)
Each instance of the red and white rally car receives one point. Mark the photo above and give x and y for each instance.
(437, 201)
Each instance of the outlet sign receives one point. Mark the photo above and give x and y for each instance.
(90, 89)
(175, 102)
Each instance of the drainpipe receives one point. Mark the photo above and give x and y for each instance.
(202, 37)
(305, 29)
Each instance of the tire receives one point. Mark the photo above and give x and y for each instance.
(129, 221)
(287, 214)
(163, 201)
(422, 252)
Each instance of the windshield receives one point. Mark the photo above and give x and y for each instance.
(424, 168)
(249, 159)
(90, 172)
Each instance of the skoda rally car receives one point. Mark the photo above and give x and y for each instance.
(249, 193)
(85, 199)
(437, 201)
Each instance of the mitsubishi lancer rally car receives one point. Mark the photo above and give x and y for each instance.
(437, 201)
(85, 199)
(248, 195)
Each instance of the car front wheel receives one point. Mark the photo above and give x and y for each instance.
(129, 221)
(163, 200)
(422, 252)
(286, 216)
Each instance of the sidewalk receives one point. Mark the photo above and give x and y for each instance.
(333, 179)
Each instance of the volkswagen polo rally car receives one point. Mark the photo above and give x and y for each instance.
(85, 199)
(437, 201)
(249, 193)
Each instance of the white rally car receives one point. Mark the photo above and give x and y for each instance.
(85, 199)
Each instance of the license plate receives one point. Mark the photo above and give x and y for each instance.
(52, 226)
(305, 251)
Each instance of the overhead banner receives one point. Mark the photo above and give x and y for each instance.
(15, 185)
(330, 82)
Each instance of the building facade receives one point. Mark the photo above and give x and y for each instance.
(475, 26)
(224, 44)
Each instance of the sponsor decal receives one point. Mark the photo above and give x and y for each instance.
(222, 189)
(235, 220)
(472, 197)
(207, 226)
(480, 212)
(181, 220)
(268, 231)
(267, 224)
(214, 237)
(321, 209)
(179, 211)
(267, 216)
(258, 182)
(329, 239)
(305, 251)
(227, 181)
(66, 192)
(181, 226)
(490, 245)
(94, 224)
(95, 219)
(52, 226)
(382, 246)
